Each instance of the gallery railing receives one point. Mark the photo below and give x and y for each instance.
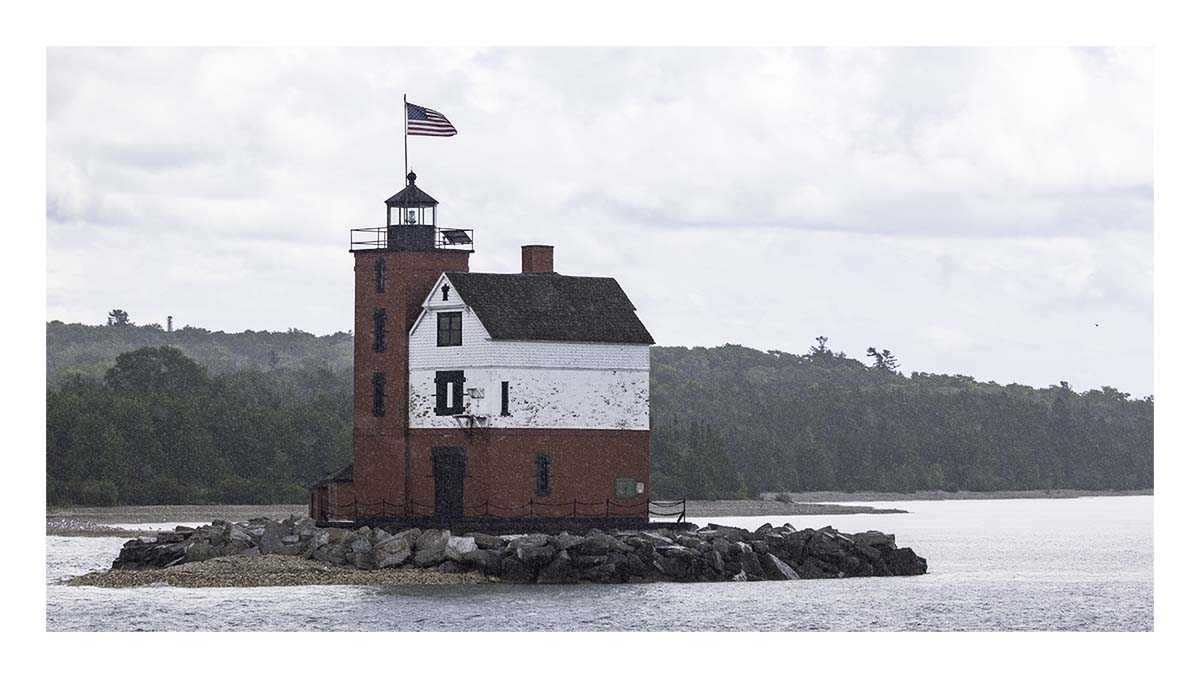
(380, 509)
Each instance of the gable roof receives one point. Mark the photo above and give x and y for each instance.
(551, 307)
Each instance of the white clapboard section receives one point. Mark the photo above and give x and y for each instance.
(567, 385)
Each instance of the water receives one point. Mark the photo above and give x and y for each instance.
(1016, 564)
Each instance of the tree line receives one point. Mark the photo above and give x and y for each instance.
(196, 416)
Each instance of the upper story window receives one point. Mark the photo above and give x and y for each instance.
(445, 293)
(504, 400)
(380, 273)
(449, 385)
(449, 329)
(379, 341)
(378, 382)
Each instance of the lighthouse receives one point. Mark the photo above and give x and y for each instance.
(487, 397)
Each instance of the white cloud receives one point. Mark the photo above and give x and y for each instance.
(969, 209)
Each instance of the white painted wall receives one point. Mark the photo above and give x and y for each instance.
(551, 384)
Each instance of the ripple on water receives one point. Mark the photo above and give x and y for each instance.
(1020, 564)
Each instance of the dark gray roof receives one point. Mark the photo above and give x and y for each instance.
(551, 307)
(411, 195)
(342, 475)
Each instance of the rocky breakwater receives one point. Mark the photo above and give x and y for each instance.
(713, 553)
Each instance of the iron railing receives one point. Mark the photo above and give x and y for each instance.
(381, 509)
(461, 239)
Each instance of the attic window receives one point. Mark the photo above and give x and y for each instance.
(445, 293)
(449, 329)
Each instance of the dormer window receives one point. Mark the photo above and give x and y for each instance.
(449, 329)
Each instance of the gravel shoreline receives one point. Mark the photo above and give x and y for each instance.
(271, 570)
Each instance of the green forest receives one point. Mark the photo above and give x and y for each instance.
(141, 414)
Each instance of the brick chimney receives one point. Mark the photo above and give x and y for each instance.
(537, 258)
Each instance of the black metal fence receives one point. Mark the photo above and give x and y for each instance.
(381, 509)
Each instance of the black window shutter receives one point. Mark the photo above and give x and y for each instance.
(504, 399)
(449, 385)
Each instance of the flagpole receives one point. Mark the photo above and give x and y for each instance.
(406, 134)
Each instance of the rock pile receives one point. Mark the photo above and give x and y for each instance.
(714, 553)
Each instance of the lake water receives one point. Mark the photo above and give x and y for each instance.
(1017, 564)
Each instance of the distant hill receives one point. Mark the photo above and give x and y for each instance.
(255, 416)
(72, 348)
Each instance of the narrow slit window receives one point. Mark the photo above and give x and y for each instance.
(380, 274)
(378, 382)
(449, 329)
(379, 342)
(504, 399)
(542, 472)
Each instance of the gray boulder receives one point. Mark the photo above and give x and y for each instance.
(535, 557)
(904, 562)
(566, 541)
(874, 539)
(457, 547)
(335, 554)
(559, 571)
(431, 547)
(392, 552)
(776, 569)
(486, 561)
(487, 541)
(271, 540)
(750, 563)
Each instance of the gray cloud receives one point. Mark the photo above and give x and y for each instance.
(976, 211)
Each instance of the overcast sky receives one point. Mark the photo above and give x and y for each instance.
(982, 212)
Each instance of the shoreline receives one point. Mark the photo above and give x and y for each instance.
(271, 570)
(942, 495)
(72, 521)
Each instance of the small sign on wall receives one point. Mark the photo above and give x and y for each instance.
(641, 488)
(626, 488)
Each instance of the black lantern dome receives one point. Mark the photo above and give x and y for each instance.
(412, 206)
(412, 225)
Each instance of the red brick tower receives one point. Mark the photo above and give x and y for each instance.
(394, 268)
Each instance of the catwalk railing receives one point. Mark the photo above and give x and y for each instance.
(380, 509)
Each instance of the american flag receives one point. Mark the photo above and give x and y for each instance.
(426, 122)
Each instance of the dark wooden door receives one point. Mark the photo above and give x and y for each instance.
(449, 471)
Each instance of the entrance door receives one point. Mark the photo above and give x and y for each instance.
(449, 470)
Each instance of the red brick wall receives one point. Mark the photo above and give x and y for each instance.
(501, 466)
(379, 441)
